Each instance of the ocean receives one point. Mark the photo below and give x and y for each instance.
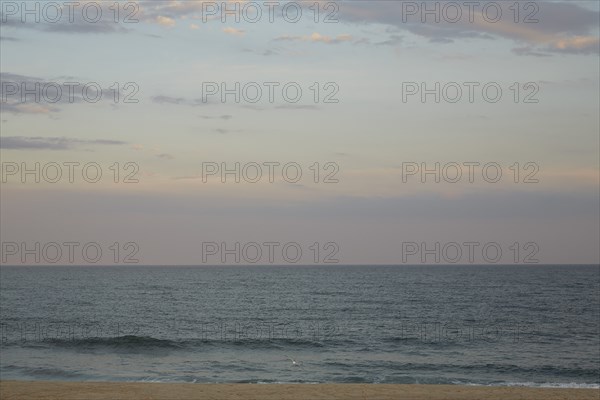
(474, 325)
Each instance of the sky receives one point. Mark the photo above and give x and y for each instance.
(319, 132)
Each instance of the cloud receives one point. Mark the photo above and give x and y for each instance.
(50, 143)
(8, 76)
(24, 108)
(164, 21)
(233, 31)
(160, 99)
(394, 40)
(317, 38)
(223, 117)
(441, 40)
(253, 107)
(529, 51)
(165, 156)
(179, 101)
(47, 95)
(559, 27)
(297, 107)
(548, 39)
(266, 52)
(222, 131)
(75, 21)
(174, 9)
(181, 178)
(85, 28)
(9, 39)
(577, 44)
(177, 9)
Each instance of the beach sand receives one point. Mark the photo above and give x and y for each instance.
(38, 390)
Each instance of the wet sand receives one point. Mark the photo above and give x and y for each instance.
(41, 390)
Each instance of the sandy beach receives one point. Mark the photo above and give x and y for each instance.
(41, 390)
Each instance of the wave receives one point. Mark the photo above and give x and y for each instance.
(41, 373)
(128, 341)
(133, 343)
(406, 380)
(590, 375)
(552, 385)
(571, 385)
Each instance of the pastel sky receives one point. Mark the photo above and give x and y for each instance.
(363, 57)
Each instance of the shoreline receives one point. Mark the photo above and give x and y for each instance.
(48, 390)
